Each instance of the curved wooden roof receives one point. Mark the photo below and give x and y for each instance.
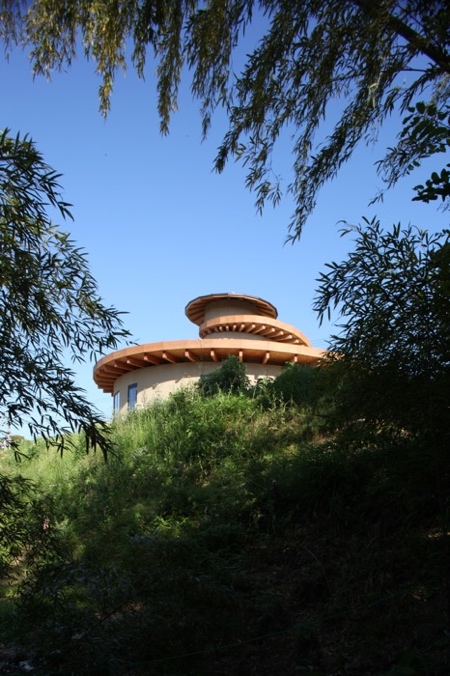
(114, 365)
(272, 329)
(270, 341)
(195, 310)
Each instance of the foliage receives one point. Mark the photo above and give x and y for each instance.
(24, 535)
(296, 384)
(370, 57)
(49, 304)
(312, 390)
(230, 376)
(393, 296)
(425, 132)
(224, 540)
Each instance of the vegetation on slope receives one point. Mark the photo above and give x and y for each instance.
(230, 534)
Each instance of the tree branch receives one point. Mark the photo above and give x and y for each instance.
(438, 56)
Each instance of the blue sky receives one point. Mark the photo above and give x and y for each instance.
(161, 228)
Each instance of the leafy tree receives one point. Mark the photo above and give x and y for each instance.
(49, 304)
(371, 56)
(231, 377)
(425, 132)
(296, 384)
(393, 296)
(430, 130)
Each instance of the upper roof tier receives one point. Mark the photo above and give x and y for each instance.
(213, 305)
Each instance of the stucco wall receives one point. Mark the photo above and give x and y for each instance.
(159, 381)
(222, 308)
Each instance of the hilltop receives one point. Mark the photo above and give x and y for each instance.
(228, 534)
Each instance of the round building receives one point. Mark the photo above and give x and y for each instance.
(229, 324)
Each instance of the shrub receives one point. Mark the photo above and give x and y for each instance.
(296, 384)
(230, 377)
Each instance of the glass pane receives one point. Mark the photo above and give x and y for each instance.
(116, 402)
(132, 396)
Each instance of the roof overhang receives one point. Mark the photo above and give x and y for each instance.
(195, 310)
(115, 365)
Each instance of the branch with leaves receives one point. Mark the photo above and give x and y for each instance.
(392, 297)
(310, 56)
(50, 309)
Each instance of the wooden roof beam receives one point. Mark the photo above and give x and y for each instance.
(107, 375)
(107, 370)
(151, 359)
(170, 358)
(189, 356)
(135, 362)
(121, 366)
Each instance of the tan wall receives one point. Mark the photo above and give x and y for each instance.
(159, 381)
(222, 308)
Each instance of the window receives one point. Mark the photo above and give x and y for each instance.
(116, 402)
(132, 396)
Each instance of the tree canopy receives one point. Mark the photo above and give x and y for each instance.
(50, 309)
(392, 295)
(365, 58)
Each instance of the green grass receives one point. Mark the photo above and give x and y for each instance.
(226, 537)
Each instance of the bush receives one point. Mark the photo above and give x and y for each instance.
(230, 377)
(295, 384)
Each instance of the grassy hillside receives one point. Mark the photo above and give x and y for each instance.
(228, 535)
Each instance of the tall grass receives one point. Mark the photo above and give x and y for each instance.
(216, 522)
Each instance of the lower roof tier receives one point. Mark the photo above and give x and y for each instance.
(114, 365)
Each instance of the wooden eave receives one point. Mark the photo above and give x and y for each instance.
(271, 329)
(113, 366)
(195, 310)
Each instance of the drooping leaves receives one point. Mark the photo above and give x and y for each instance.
(50, 310)
(361, 59)
(392, 297)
